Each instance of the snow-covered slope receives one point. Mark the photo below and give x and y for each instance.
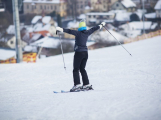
(126, 88)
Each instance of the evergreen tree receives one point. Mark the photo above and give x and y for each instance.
(134, 17)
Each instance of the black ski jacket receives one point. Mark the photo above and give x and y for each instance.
(81, 38)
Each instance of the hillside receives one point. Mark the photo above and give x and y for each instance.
(125, 87)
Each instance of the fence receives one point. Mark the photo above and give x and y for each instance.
(27, 57)
(142, 37)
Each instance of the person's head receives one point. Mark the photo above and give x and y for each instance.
(82, 25)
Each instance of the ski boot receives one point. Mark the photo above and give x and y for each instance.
(76, 88)
(87, 87)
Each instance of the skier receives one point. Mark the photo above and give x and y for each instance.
(81, 54)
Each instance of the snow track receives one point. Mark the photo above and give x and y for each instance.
(125, 87)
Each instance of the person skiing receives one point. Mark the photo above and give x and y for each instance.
(81, 54)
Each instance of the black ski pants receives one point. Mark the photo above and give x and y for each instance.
(79, 64)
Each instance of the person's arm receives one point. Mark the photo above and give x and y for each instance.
(73, 32)
(90, 31)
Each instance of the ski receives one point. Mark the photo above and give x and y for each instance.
(63, 91)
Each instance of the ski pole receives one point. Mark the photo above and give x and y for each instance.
(118, 41)
(61, 49)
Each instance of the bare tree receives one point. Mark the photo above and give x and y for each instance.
(72, 8)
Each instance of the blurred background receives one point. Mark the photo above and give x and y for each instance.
(27, 27)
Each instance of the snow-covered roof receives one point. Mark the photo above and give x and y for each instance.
(37, 27)
(46, 42)
(158, 5)
(150, 15)
(44, 1)
(111, 27)
(30, 29)
(106, 36)
(93, 20)
(6, 37)
(11, 29)
(87, 8)
(131, 33)
(137, 25)
(36, 19)
(41, 27)
(99, 13)
(154, 25)
(73, 24)
(116, 11)
(128, 3)
(35, 37)
(6, 54)
(46, 27)
(46, 19)
(29, 48)
(82, 16)
(50, 42)
(122, 16)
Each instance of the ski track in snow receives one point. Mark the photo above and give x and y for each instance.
(125, 87)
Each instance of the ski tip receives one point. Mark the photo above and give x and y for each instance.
(55, 92)
(62, 91)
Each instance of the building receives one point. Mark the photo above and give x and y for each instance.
(158, 13)
(94, 18)
(155, 16)
(101, 5)
(2, 6)
(77, 7)
(133, 29)
(127, 5)
(45, 6)
(12, 43)
(158, 9)
(147, 3)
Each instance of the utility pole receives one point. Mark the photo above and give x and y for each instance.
(143, 18)
(17, 31)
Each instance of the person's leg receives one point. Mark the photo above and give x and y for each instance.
(76, 65)
(83, 71)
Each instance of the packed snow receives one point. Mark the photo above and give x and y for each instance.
(6, 54)
(158, 5)
(125, 87)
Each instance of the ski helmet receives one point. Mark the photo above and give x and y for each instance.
(82, 25)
